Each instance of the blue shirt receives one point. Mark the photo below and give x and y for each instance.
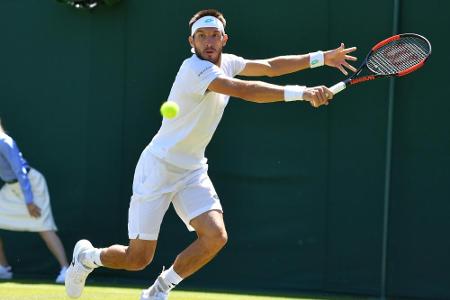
(13, 166)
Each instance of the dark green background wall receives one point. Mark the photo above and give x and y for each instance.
(302, 188)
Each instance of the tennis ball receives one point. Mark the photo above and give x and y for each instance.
(169, 109)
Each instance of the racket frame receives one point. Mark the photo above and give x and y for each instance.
(355, 80)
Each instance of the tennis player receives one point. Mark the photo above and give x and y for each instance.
(173, 168)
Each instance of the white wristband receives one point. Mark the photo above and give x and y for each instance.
(293, 92)
(316, 59)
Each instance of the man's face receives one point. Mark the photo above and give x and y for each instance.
(208, 43)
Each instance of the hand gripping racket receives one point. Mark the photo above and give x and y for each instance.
(397, 56)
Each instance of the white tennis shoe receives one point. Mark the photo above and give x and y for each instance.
(77, 272)
(155, 292)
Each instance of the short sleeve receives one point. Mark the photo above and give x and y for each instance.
(237, 63)
(203, 72)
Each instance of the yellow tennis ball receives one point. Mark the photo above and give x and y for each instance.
(169, 109)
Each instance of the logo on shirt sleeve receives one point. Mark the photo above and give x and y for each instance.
(204, 70)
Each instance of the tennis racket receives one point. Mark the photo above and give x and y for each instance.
(397, 56)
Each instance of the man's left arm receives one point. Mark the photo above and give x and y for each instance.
(281, 65)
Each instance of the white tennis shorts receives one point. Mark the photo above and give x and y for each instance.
(156, 184)
(13, 210)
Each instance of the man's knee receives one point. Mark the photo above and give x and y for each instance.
(216, 239)
(138, 262)
(211, 230)
(140, 255)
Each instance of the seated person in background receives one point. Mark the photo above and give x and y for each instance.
(25, 204)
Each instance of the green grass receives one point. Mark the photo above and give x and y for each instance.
(44, 291)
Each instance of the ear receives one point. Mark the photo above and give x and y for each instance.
(225, 39)
(191, 41)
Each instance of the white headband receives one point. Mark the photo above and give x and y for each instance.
(207, 21)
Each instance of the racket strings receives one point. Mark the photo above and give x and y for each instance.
(398, 55)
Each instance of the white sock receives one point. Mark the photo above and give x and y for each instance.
(91, 258)
(171, 278)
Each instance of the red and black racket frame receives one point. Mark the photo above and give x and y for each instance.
(352, 80)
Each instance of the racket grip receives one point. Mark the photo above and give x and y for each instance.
(337, 87)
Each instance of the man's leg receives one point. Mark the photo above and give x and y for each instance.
(149, 203)
(211, 237)
(134, 257)
(86, 258)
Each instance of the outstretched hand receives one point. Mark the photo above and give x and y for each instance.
(338, 58)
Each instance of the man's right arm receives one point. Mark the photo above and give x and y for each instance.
(263, 92)
(253, 91)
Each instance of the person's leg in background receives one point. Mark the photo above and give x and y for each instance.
(5, 269)
(56, 247)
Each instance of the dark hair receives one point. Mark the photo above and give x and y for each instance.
(208, 12)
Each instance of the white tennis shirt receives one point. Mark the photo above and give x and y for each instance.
(182, 141)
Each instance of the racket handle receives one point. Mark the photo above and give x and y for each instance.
(337, 87)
